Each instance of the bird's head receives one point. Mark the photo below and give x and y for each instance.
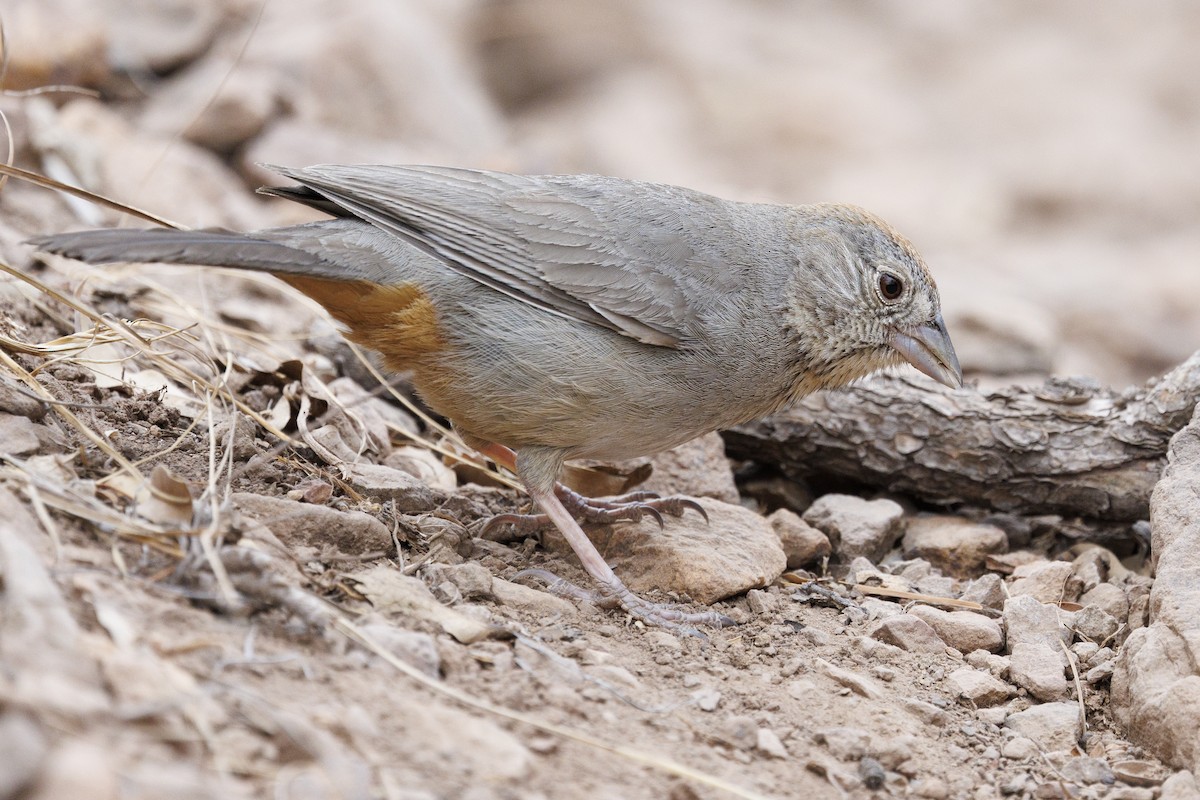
(863, 299)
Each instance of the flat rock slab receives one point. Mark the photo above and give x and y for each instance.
(737, 550)
(295, 523)
(1052, 726)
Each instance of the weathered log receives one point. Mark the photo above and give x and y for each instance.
(1069, 447)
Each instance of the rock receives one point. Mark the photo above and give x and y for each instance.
(44, 51)
(955, 545)
(13, 400)
(937, 586)
(351, 532)
(381, 483)
(848, 744)
(931, 788)
(769, 744)
(910, 633)
(698, 468)
(801, 542)
(987, 590)
(963, 630)
(111, 157)
(424, 465)
(532, 600)
(1019, 748)
(24, 748)
(1038, 669)
(738, 731)
(1156, 682)
(1109, 598)
(1048, 581)
(78, 768)
(1180, 786)
(928, 713)
(736, 551)
(1099, 673)
(232, 117)
(1029, 620)
(19, 435)
(412, 647)
(1052, 726)
(1087, 771)
(471, 579)
(1095, 624)
(979, 687)
(856, 527)
(995, 664)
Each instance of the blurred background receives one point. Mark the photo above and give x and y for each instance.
(1044, 157)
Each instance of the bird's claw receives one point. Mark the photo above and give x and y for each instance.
(618, 595)
(630, 507)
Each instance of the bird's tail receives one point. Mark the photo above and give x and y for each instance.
(210, 247)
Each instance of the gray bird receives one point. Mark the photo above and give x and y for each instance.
(579, 316)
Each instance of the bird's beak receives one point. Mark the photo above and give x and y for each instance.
(928, 348)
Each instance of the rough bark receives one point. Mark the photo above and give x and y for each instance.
(1069, 447)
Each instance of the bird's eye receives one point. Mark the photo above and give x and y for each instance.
(890, 286)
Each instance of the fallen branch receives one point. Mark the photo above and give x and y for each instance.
(1069, 447)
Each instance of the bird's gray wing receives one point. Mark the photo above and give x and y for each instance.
(628, 256)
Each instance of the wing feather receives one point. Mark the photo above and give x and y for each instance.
(566, 244)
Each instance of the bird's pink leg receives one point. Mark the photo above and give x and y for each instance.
(612, 591)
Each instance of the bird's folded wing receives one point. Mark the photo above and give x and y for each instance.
(614, 253)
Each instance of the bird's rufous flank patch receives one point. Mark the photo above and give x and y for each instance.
(398, 321)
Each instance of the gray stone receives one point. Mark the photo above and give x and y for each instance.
(1019, 748)
(1180, 786)
(18, 435)
(955, 545)
(410, 495)
(963, 630)
(980, 688)
(1038, 669)
(909, 633)
(471, 579)
(768, 743)
(848, 744)
(1052, 726)
(1027, 619)
(351, 532)
(1108, 597)
(1099, 673)
(801, 542)
(1048, 581)
(24, 748)
(1095, 624)
(1087, 771)
(738, 731)
(856, 527)
(987, 590)
(1156, 683)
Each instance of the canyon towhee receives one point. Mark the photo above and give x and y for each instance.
(559, 317)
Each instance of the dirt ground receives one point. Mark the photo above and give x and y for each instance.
(273, 620)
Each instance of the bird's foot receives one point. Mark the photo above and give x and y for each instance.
(614, 594)
(624, 508)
